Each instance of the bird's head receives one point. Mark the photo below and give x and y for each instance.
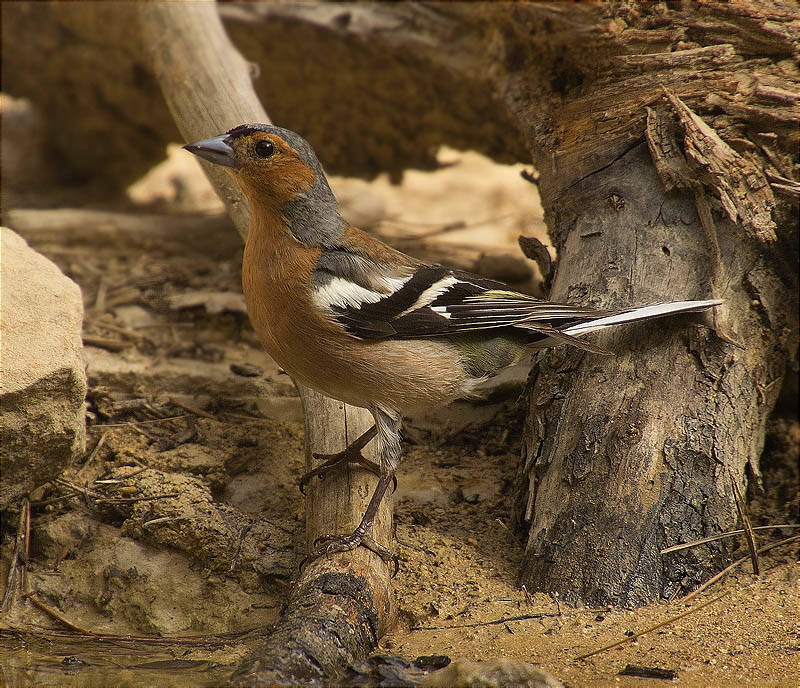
(278, 169)
(265, 160)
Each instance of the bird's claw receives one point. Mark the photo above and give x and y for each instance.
(333, 461)
(333, 544)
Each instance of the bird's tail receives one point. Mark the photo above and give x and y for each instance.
(550, 335)
(657, 310)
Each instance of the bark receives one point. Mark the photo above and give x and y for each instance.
(339, 606)
(582, 90)
(626, 456)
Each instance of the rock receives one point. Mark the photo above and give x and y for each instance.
(119, 585)
(212, 534)
(43, 384)
(501, 672)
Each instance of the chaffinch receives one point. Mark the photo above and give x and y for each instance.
(347, 315)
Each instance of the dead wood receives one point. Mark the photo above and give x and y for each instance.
(339, 606)
(742, 188)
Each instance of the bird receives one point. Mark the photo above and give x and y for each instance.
(361, 322)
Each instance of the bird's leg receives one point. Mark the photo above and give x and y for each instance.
(350, 454)
(331, 544)
(387, 429)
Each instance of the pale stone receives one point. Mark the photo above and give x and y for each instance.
(500, 673)
(43, 381)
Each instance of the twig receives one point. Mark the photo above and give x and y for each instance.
(105, 343)
(26, 507)
(495, 622)
(85, 491)
(156, 521)
(136, 422)
(128, 476)
(102, 499)
(131, 500)
(52, 612)
(648, 672)
(100, 297)
(242, 416)
(193, 409)
(736, 563)
(93, 453)
(48, 633)
(748, 527)
(529, 597)
(722, 536)
(652, 628)
(53, 500)
(128, 334)
(19, 559)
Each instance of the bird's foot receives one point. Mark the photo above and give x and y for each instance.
(342, 458)
(333, 544)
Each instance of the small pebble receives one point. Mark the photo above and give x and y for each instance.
(246, 370)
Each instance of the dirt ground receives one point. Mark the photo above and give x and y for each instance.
(183, 517)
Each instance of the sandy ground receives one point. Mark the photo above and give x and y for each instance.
(183, 403)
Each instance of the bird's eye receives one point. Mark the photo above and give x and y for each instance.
(264, 148)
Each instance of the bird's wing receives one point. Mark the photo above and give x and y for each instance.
(431, 300)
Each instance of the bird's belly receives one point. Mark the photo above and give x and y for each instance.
(395, 374)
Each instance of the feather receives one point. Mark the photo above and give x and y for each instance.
(372, 303)
(657, 310)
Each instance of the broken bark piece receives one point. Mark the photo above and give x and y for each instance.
(345, 629)
(649, 672)
(742, 188)
(662, 139)
(535, 250)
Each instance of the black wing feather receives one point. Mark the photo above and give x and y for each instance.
(459, 302)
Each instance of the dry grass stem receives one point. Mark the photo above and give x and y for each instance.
(722, 536)
(745, 519)
(736, 563)
(652, 628)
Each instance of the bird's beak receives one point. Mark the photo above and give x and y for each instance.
(214, 150)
